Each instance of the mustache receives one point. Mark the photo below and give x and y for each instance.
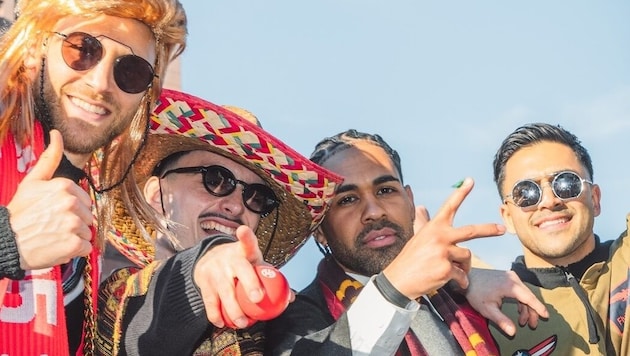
(380, 224)
(217, 215)
(106, 97)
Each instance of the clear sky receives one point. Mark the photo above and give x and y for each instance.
(443, 82)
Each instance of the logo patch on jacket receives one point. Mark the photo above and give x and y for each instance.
(544, 348)
(618, 305)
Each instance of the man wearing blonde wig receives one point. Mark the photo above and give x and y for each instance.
(75, 76)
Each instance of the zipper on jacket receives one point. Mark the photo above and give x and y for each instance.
(593, 337)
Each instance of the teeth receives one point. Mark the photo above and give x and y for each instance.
(379, 238)
(553, 222)
(212, 225)
(88, 107)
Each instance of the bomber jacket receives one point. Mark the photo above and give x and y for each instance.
(587, 302)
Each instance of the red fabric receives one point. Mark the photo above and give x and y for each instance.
(478, 323)
(13, 172)
(16, 163)
(469, 328)
(33, 319)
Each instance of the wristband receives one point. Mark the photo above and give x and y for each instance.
(9, 254)
(389, 292)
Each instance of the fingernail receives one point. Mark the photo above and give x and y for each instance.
(241, 323)
(256, 294)
(458, 184)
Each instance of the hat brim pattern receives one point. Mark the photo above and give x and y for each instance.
(182, 122)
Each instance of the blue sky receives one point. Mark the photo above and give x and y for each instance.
(442, 82)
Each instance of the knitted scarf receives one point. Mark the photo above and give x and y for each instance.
(468, 327)
(32, 317)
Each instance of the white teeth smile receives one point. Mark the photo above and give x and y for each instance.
(88, 107)
(379, 238)
(212, 225)
(553, 222)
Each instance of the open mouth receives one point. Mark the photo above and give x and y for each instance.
(214, 228)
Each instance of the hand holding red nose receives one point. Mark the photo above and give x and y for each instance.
(274, 302)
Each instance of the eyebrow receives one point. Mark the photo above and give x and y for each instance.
(379, 180)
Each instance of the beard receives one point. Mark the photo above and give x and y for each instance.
(369, 261)
(79, 137)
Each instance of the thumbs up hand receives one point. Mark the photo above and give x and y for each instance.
(51, 217)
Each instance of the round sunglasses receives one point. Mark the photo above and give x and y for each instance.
(220, 182)
(565, 185)
(82, 51)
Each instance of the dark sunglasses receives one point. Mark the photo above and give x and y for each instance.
(220, 182)
(82, 51)
(565, 185)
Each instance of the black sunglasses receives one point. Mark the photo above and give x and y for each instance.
(82, 51)
(565, 185)
(220, 182)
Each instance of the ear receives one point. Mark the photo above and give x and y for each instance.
(409, 193)
(506, 214)
(152, 193)
(596, 196)
(319, 236)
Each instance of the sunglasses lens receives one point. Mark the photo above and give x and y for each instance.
(567, 185)
(259, 198)
(81, 51)
(526, 193)
(133, 74)
(219, 181)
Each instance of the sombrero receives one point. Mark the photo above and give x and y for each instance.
(182, 122)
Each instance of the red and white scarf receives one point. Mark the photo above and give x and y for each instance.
(32, 317)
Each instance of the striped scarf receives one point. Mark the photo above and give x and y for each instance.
(468, 327)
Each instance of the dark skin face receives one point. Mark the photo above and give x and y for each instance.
(371, 216)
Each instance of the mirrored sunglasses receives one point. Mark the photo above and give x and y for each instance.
(82, 51)
(220, 182)
(565, 185)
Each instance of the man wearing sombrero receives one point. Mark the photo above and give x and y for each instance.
(204, 173)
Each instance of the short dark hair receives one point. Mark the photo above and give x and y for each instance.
(343, 140)
(530, 134)
(161, 167)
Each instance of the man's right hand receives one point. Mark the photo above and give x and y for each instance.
(215, 274)
(51, 217)
(432, 257)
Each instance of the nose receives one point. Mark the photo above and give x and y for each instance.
(233, 203)
(101, 76)
(549, 200)
(372, 209)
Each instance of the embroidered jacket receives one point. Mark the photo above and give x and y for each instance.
(157, 310)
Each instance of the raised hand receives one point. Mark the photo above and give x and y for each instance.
(51, 217)
(432, 257)
(215, 274)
